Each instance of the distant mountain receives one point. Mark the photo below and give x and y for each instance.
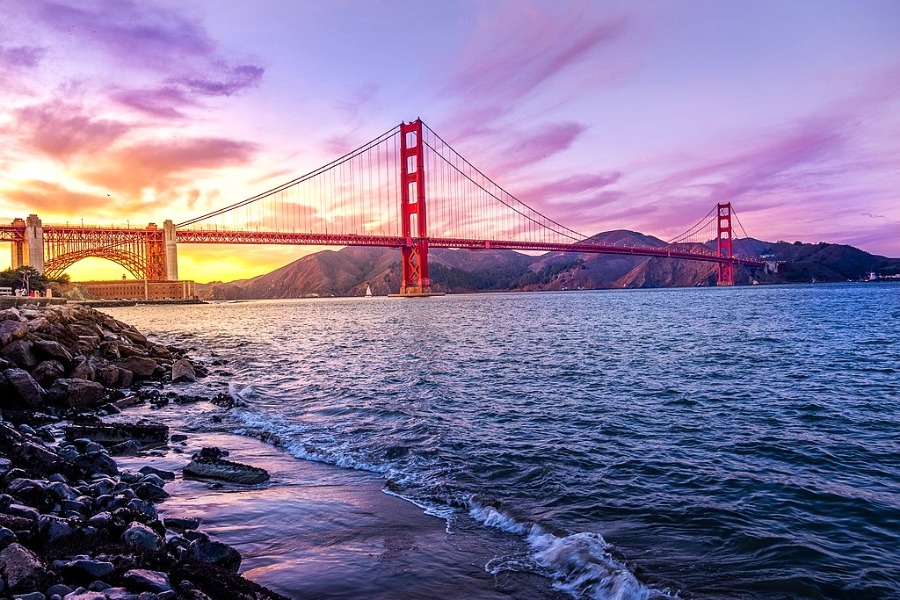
(348, 271)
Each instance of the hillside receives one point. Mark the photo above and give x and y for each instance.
(348, 271)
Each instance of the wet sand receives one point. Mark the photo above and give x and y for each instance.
(318, 531)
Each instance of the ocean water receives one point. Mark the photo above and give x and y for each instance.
(627, 444)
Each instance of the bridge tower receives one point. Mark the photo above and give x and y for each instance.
(414, 264)
(34, 242)
(724, 241)
(171, 250)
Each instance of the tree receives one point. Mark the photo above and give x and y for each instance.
(25, 277)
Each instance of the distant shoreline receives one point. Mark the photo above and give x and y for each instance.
(115, 303)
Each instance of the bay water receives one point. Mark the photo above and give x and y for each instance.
(691, 443)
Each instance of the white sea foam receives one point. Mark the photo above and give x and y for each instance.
(581, 565)
(490, 516)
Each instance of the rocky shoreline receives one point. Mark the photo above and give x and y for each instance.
(73, 526)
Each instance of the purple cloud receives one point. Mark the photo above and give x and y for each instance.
(521, 47)
(165, 102)
(528, 148)
(232, 81)
(21, 57)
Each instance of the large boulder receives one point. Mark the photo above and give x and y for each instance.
(22, 569)
(216, 553)
(140, 366)
(11, 330)
(54, 350)
(48, 371)
(183, 371)
(21, 352)
(80, 394)
(208, 464)
(26, 391)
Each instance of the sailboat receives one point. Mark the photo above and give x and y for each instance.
(368, 291)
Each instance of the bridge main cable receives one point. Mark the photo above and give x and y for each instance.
(324, 168)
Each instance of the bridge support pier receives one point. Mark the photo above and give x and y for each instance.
(171, 250)
(34, 243)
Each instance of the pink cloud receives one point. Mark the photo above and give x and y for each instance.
(61, 129)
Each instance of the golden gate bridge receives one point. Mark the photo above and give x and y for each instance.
(407, 189)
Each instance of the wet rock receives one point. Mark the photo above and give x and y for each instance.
(22, 569)
(144, 432)
(31, 596)
(127, 448)
(23, 450)
(183, 371)
(216, 553)
(140, 366)
(25, 389)
(97, 462)
(164, 475)
(58, 589)
(208, 465)
(146, 580)
(150, 491)
(181, 524)
(84, 570)
(142, 537)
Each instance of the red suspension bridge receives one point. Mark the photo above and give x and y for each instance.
(407, 188)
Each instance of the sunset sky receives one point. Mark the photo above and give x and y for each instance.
(642, 114)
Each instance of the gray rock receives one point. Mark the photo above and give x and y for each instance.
(150, 491)
(142, 537)
(165, 475)
(12, 330)
(21, 352)
(117, 593)
(83, 594)
(48, 371)
(144, 507)
(140, 366)
(59, 589)
(22, 569)
(146, 580)
(53, 530)
(183, 371)
(217, 553)
(31, 596)
(25, 389)
(225, 470)
(97, 462)
(53, 350)
(78, 393)
(7, 537)
(84, 370)
(181, 524)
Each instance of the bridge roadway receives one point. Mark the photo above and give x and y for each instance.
(65, 244)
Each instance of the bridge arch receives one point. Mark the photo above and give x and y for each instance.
(132, 262)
